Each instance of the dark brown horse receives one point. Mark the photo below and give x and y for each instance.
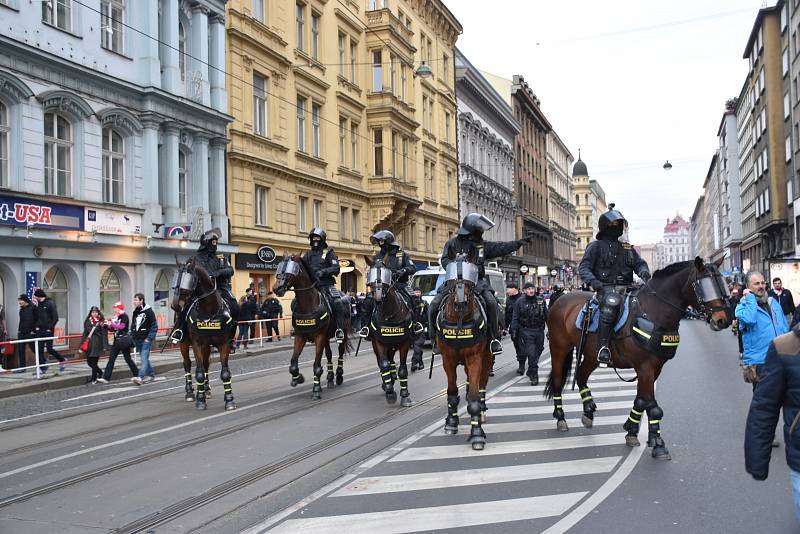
(462, 339)
(208, 324)
(313, 322)
(391, 325)
(662, 301)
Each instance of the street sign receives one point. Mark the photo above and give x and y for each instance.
(523, 269)
(553, 273)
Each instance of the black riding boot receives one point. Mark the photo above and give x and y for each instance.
(493, 328)
(603, 337)
(367, 308)
(341, 316)
(433, 313)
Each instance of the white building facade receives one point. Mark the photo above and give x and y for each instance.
(112, 145)
(675, 246)
(561, 208)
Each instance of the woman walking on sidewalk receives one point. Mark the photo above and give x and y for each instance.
(94, 341)
(119, 325)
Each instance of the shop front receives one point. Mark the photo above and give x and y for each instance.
(260, 269)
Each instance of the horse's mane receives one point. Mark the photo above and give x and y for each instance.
(673, 268)
(301, 260)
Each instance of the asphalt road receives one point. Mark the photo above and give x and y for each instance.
(114, 458)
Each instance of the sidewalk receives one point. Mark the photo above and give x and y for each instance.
(77, 372)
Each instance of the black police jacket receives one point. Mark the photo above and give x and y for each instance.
(46, 315)
(608, 261)
(27, 320)
(398, 262)
(509, 310)
(778, 388)
(324, 265)
(476, 253)
(217, 266)
(420, 309)
(248, 309)
(272, 309)
(529, 312)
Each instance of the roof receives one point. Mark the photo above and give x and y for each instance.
(676, 224)
(580, 168)
(757, 25)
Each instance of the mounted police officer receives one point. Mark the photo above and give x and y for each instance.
(399, 262)
(608, 266)
(469, 241)
(219, 269)
(420, 310)
(324, 265)
(527, 326)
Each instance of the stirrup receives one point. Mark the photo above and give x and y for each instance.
(496, 347)
(339, 335)
(418, 328)
(435, 348)
(177, 336)
(604, 356)
(364, 332)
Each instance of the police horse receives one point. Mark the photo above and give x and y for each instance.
(461, 335)
(647, 340)
(313, 322)
(391, 327)
(208, 324)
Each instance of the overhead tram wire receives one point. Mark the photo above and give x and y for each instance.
(245, 82)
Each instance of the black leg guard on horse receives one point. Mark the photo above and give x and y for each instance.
(331, 375)
(654, 439)
(340, 370)
(589, 407)
(200, 378)
(633, 422)
(225, 376)
(558, 413)
(189, 387)
(294, 370)
(405, 396)
(451, 421)
(387, 380)
(477, 437)
(316, 390)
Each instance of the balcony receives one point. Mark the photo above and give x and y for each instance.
(385, 19)
(391, 200)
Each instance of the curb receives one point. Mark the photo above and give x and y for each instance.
(36, 386)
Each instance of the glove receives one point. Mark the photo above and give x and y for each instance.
(597, 285)
(645, 276)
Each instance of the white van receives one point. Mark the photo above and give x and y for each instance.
(429, 280)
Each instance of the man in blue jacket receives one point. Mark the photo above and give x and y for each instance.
(761, 320)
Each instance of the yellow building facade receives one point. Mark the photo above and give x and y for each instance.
(333, 129)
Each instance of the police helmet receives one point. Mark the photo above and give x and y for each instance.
(211, 235)
(475, 224)
(383, 235)
(608, 217)
(318, 232)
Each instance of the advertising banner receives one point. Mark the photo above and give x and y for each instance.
(112, 222)
(16, 211)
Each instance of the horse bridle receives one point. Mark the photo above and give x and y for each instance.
(288, 265)
(714, 286)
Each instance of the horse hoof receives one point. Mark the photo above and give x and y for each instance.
(200, 405)
(391, 397)
(478, 445)
(330, 384)
(632, 441)
(483, 417)
(230, 405)
(189, 397)
(451, 430)
(405, 402)
(316, 396)
(661, 453)
(339, 380)
(561, 425)
(294, 383)
(587, 421)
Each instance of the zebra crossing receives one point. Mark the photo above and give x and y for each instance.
(530, 477)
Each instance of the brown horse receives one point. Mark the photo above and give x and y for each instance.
(208, 323)
(462, 339)
(313, 322)
(662, 301)
(391, 325)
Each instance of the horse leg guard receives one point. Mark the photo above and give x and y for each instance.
(340, 371)
(477, 437)
(654, 439)
(482, 394)
(405, 396)
(200, 378)
(189, 388)
(386, 375)
(558, 414)
(451, 422)
(589, 408)
(316, 391)
(208, 386)
(633, 422)
(331, 376)
(393, 367)
(225, 376)
(294, 370)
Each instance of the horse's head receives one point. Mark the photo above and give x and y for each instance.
(184, 284)
(379, 279)
(709, 294)
(288, 270)
(461, 277)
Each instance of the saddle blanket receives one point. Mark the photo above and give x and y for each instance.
(595, 322)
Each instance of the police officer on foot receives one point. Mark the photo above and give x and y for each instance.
(420, 310)
(608, 266)
(527, 325)
(512, 296)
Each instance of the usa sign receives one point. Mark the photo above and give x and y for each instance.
(17, 211)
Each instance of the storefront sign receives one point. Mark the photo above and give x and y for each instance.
(266, 254)
(113, 222)
(541, 270)
(346, 266)
(264, 259)
(177, 232)
(523, 269)
(16, 211)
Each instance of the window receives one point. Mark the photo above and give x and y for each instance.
(354, 146)
(182, 50)
(55, 284)
(788, 149)
(353, 56)
(343, 216)
(261, 205)
(445, 67)
(450, 190)
(258, 11)
(315, 36)
(317, 214)
(405, 158)
(787, 108)
(393, 74)
(183, 180)
(301, 124)
(342, 141)
(376, 4)
(342, 58)
(785, 60)
(377, 139)
(111, 13)
(403, 80)
(4, 139)
(110, 292)
(433, 239)
(429, 51)
(395, 150)
(377, 71)
(300, 20)
(57, 155)
(113, 167)
(302, 213)
(761, 84)
(355, 225)
(425, 112)
(161, 291)
(259, 104)
(58, 13)
(316, 110)
(447, 127)
(763, 118)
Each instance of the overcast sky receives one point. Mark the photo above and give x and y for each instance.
(631, 83)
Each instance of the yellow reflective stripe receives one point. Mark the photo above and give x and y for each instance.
(323, 316)
(585, 390)
(228, 383)
(669, 344)
(655, 421)
(558, 398)
(637, 412)
(642, 333)
(587, 398)
(474, 423)
(637, 421)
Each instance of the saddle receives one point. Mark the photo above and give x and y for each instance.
(467, 333)
(594, 324)
(210, 324)
(306, 323)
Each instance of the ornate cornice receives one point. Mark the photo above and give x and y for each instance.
(14, 87)
(60, 100)
(120, 118)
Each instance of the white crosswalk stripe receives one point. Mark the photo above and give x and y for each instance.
(524, 451)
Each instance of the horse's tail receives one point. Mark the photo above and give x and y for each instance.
(566, 370)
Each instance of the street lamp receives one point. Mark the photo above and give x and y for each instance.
(424, 71)
(667, 165)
